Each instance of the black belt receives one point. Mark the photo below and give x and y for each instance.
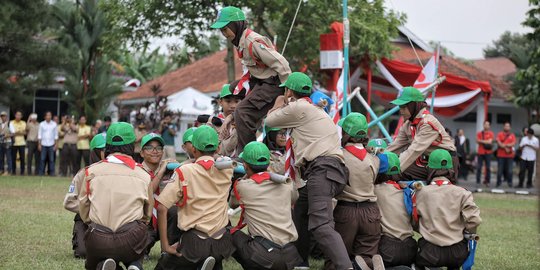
(269, 245)
(273, 80)
(354, 204)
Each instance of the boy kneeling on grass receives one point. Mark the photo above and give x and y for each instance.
(447, 213)
(397, 246)
(201, 191)
(267, 212)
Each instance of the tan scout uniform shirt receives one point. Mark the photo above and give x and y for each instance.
(422, 142)
(32, 129)
(228, 137)
(264, 51)
(207, 192)
(69, 134)
(118, 194)
(314, 134)
(362, 174)
(395, 221)
(444, 212)
(71, 200)
(268, 209)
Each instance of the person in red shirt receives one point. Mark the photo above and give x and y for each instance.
(485, 142)
(505, 154)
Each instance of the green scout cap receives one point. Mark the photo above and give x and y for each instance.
(298, 82)
(256, 153)
(227, 15)
(123, 130)
(355, 124)
(225, 91)
(393, 163)
(440, 159)
(205, 138)
(151, 137)
(377, 143)
(98, 141)
(409, 94)
(188, 135)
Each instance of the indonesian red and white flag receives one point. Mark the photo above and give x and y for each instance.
(429, 72)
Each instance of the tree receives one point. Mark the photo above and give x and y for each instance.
(89, 84)
(372, 26)
(144, 66)
(527, 92)
(513, 46)
(27, 52)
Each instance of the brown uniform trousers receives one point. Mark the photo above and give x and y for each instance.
(313, 212)
(261, 253)
(173, 231)
(77, 241)
(195, 250)
(254, 107)
(415, 172)
(396, 252)
(430, 255)
(126, 245)
(359, 224)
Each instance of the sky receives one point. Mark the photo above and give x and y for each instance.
(465, 27)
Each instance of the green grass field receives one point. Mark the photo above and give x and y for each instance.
(35, 230)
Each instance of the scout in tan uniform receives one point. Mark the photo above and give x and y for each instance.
(68, 131)
(357, 215)
(376, 146)
(187, 145)
(446, 212)
(266, 69)
(152, 153)
(201, 190)
(275, 140)
(419, 136)
(71, 200)
(397, 246)
(118, 233)
(227, 132)
(267, 213)
(316, 148)
(32, 129)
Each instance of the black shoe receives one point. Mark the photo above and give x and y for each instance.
(518, 186)
(529, 186)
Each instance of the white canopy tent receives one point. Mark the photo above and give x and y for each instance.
(191, 103)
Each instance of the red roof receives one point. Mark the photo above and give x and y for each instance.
(501, 89)
(498, 66)
(206, 75)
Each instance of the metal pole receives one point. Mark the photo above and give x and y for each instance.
(346, 41)
(437, 73)
(372, 113)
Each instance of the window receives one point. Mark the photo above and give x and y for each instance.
(503, 118)
(470, 118)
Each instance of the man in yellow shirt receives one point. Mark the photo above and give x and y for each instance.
(18, 130)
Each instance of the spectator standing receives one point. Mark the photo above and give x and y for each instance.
(17, 128)
(48, 139)
(168, 131)
(5, 144)
(83, 142)
(106, 123)
(60, 144)
(528, 145)
(96, 127)
(68, 154)
(32, 128)
(463, 151)
(140, 131)
(505, 154)
(485, 140)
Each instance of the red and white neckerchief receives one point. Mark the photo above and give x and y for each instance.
(441, 182)
(289, 153)
(221, 116)
(358, 152)
(257, 178)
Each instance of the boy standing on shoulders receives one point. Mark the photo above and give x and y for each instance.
(267, 212)
(315, 146)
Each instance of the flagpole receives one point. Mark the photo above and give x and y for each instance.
(436, 75)
(346, 41)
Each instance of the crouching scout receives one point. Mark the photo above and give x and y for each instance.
(357, 215)
(116, 202)
(420, 135)
(446, 212)
(266, 209)
(227, 132)
(201, 191)
(71, 200)
(315, 146)
(397, 246)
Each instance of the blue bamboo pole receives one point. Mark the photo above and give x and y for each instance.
(374, 116)
(346, 41)
(377, 120)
